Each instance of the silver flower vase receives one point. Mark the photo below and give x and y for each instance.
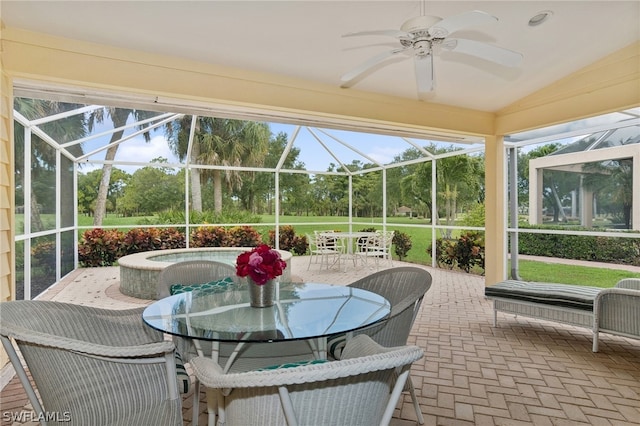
(262, 296)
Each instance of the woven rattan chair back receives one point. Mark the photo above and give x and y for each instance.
(193, 272)
(91, 366)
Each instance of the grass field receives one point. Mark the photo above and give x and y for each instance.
(421, 239)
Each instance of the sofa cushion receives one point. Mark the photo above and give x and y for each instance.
(564, 295)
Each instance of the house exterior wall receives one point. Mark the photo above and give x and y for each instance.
(7, 224)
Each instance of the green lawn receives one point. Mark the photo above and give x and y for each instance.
(571, 274)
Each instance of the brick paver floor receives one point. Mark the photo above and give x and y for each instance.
(523, 372)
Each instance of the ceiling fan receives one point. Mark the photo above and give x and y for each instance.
(424, 35)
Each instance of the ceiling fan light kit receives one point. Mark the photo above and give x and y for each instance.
(423, 36)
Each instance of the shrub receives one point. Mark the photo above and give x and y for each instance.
(147, 239)
(45, 257)
(171, 238)
(469, 251)
(209, 236)
(288, 240)
(402, 242)
(445, 253)
(464, 253)
(243, 236)
(141, 239)
(99, 247)
(580, 247)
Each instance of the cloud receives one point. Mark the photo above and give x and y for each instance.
(385, 155)
(140, 151)
(134, 150)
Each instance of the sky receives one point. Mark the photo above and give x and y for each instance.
(315, 157)
(374, 148)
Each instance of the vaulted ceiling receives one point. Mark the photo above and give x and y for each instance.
(303, 39)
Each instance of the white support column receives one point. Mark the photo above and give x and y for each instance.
(535, 194)
(586, 207)
(635, 189)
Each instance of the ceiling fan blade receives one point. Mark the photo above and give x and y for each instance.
(365, 66)
(424, 74)
(390, 33)
(496, 54)
(458, 22)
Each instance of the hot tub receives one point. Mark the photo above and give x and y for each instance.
(139, 271)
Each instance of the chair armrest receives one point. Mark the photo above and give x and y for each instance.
(617, 310)
(211, 374)
(629, 283)
(88, 348)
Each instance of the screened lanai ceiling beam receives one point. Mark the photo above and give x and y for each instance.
(41, 134)
(66, 114)
(131, 136)
(126, 126)
(418, 147)
(287, 148)
(331, 153)
(192, 132)
(581, 132)
(352, 148)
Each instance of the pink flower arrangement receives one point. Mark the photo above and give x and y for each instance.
(261, 264)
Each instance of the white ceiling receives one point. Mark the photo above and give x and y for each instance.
(302, 39)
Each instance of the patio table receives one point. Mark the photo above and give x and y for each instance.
(302, 311)
(348, 238)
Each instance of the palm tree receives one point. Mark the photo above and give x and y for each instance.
(119, 117)
(221, 142)
(458, 180)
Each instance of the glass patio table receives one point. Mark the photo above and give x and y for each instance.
(302, 311)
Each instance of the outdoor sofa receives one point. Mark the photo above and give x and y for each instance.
(613, 310)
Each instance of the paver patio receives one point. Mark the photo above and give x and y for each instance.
(524, 372)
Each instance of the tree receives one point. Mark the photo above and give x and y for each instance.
(119, 117)
(257, 194)
(153, 189)
(221, 142)
(89, 183)
(458, 178)
(396, 195)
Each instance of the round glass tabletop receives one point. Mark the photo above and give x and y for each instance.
(301, 311)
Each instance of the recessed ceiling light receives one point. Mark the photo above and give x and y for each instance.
(540, 17)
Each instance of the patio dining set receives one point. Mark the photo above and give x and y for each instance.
(335, 249)
(348, 363)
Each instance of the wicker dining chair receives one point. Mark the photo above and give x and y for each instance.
(91, 366)
(194, 273)
(362, 388)
(210, 275)
(405, 288)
